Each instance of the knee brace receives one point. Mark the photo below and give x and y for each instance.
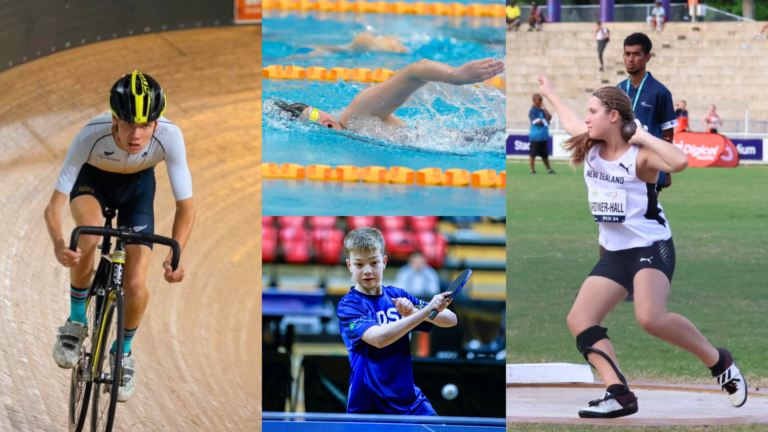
(585, 341)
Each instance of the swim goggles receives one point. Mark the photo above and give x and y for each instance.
(314, 115)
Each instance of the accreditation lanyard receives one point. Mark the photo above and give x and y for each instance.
(639, 89)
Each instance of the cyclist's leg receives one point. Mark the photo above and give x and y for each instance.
(86, 210)
(137, 257)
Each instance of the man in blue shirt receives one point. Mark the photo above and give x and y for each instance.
(375, 321)
(651, 101)
(539, 133)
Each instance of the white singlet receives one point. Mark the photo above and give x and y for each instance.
(95, 145)
(617, 194)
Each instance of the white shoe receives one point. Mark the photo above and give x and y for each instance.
(69, 344)
(733, 382)
(125, 391)
(611, 406)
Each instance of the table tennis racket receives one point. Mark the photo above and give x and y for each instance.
(455, 287)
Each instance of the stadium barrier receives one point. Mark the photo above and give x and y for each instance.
(748, 149)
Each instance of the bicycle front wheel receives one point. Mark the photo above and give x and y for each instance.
(108, 374)
(80, 385)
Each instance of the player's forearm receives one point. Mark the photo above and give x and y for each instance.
(669, 154)
(52, 217)
(571, 122)
(431, 71)
(386, 334)
(183, 222)
(445, 318)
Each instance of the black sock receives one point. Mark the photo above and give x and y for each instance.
(617, 389)
(719, 367)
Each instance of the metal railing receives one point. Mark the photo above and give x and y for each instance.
(637, 13)
(736, 128)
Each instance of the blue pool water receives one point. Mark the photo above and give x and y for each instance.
(449, 126)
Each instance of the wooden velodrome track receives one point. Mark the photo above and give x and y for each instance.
(198, 350)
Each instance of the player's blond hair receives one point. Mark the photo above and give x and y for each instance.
(365, 239)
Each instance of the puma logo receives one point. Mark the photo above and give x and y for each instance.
(626, 168)
(646, 259)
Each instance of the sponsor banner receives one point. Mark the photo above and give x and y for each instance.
(702, 149)
(729, 158)
(247, 11)
(520, 145)
(749, 149)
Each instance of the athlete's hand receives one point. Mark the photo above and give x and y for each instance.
(545, 87)
(65, 256)
(404, 306)
(476, 71)
(439, 302)
(173, 276)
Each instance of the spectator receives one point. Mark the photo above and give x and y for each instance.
(603, 36)
(417, 278)
(658, 17)
(513, 16)
(682, 118)
(764, 29)
(535, 18)
(712, 120)
(539, 135)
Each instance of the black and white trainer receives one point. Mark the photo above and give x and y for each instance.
(611, 406)
(732, 381)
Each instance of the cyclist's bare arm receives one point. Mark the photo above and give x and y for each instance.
(384, 99)
(52, 214)
(183, 222)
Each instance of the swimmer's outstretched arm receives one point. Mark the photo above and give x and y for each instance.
(571, 122)
(384, 99)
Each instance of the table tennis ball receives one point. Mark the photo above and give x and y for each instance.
(450, 391)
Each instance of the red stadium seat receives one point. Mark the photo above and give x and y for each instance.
(328, 245)
(295, 244)
(294, 221)
(433, 246)
(391, 223)
(267, 220)
(399, 244)
(423, 223)
(355, 222)
(268, 243)
(322, 222)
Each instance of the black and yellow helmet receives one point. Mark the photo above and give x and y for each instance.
(137, 98)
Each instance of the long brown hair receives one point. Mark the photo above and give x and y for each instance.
(612, 98)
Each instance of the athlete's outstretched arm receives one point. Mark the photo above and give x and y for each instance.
(571, 121)
(66, 257)
(384, 99)
(386, 334)
(662, 157)
(183, 222)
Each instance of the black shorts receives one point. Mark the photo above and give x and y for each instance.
(539, 148)
(622, 266)
(132, 195)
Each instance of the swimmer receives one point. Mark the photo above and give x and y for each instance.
(382, 100)
(363, 42)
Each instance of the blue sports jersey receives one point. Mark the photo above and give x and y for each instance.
(381, 379)
(655, 108)
(539, 132)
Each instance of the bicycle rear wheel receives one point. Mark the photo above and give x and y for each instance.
(108, 379)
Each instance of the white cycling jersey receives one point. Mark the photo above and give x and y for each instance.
(95, 145)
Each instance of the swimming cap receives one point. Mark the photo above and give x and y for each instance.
(294, 109)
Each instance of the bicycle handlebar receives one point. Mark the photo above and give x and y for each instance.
(127, 235)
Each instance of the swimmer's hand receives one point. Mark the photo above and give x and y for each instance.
(476, 71)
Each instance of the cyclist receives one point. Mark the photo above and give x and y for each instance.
(111, 163)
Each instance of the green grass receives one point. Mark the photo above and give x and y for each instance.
(719, 221)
